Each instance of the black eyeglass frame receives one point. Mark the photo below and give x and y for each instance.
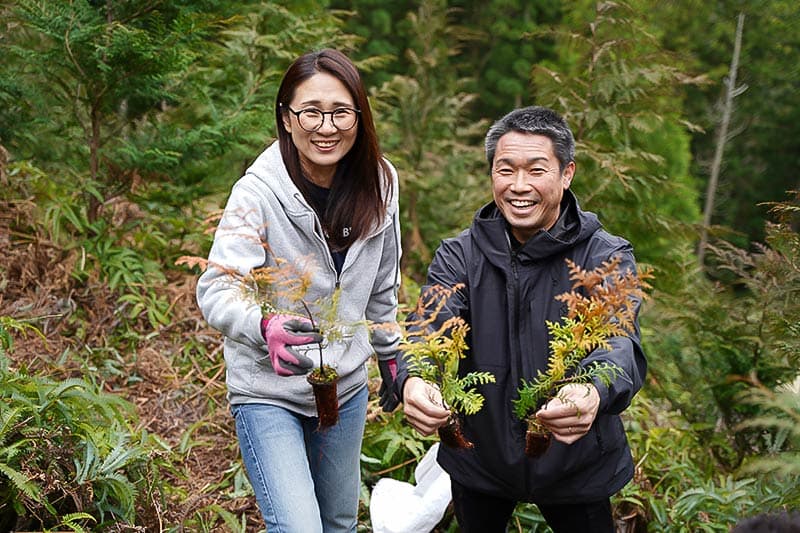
(323, 113)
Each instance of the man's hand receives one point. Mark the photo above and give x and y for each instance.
(388, 397)
(570, 415)
(423, 406)
(282, 331)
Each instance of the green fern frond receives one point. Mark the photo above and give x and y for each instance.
(780, 418)
(8, 421)
(90, 426)
(72, 520)
(121, 455)
(21, 483)
(84, 469)
(117, 494)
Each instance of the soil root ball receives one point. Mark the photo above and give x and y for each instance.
(451, 435)
(536, 443)
(325, 398)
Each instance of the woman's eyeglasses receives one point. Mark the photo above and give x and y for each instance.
(311, 119)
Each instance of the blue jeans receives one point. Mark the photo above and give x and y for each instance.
(305, 480)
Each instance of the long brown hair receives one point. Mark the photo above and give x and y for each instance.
(357, 198)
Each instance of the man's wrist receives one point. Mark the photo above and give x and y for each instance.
(602, 395)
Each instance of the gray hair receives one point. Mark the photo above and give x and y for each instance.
(535, 120)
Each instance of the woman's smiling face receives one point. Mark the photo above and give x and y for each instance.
(527, 183)
(320, 151)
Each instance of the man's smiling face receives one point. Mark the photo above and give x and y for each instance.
(527, 184)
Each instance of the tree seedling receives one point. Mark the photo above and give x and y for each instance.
(434, 357)
(600, 305)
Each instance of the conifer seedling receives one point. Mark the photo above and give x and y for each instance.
(434, 356)
(281, 288)
(600, 305)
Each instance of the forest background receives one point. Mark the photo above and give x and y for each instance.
(123, 125)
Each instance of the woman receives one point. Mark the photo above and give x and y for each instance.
(321, 192)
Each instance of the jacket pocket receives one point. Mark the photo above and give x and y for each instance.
(609, 433)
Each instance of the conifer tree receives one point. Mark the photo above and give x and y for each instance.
(499, 60)
(426, 131)
(99, 69)
(138, 91)
(620, 92)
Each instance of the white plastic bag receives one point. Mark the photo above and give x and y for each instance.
(400, 507)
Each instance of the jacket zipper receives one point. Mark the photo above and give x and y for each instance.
(515, 364)
(321, 239)
(516, 360)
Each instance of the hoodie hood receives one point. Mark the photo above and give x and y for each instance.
(269, 168)
(573, 226)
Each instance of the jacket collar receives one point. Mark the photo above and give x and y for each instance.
(490, 231)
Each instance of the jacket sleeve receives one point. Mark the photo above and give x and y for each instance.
(236, 250)
(447, 270)
(382, 305)
(626, 354)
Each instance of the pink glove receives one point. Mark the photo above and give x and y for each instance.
(282, 331)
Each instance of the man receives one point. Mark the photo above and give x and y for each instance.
(511, 262)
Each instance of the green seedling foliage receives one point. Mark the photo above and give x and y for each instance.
(434, 355)
(601, 305)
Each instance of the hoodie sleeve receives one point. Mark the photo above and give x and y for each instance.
(382, 305)
(236, 250)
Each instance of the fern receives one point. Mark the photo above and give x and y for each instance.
(22, 484)
(66, 443)
(779, 422)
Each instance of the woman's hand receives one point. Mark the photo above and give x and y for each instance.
(282, 331)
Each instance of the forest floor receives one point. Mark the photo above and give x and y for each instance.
(178, 395)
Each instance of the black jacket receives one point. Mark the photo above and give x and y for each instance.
(507, 298)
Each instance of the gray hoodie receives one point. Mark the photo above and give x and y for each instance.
(265, 207)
